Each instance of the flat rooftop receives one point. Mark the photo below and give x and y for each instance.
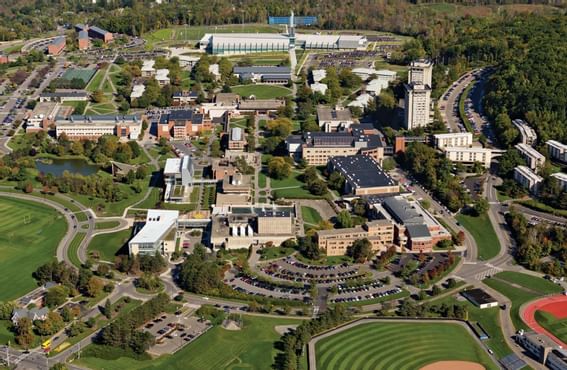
(479, 296)
(362, 171)
(158, 222)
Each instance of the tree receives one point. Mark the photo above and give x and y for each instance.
(435, 290)
(107, 310)
(56, 296)
(344, 220)
(24, 335)
(94, 287)
(336, 181)
(481, 206)
(361, 250)
(279, 168)
(280, 127)
(98, 96)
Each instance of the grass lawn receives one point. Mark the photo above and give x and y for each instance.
(399, 346)
(555, 326)
(74, 249)
(310, 215)
(325, 260)
(261, 180)
(249, 348)
(5, 333)
(151, 200)
(261, 91)
(29, 236)
(402, 294)
(483, 233)
(106, 224)
(95, 82)
(516, 295)
(275, 252)
(531, 282)
(108, 245)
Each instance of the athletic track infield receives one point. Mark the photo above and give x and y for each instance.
(555, 305)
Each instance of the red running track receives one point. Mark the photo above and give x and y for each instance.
(555, 305)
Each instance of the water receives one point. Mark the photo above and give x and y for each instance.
(56, 167)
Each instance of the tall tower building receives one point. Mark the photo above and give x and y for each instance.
(420, 72)
(417, 105)
(292, 31)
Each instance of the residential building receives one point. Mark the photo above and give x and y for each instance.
(420, 72)
(480, 298)
(56, 46)
(561, 179)
(137, 91)
(316, 148)
(456, 139)
(335, 242)
(535, 159)
(83, 40)
(264, 74)
(376, 86)
(557, 150)
(185, 98)
(417, 106)
(157, 235)
(178, 175)
(183, 124)
(100, 34)
(334, 119)
(261, 106)
(162, 76)
(363, 175)
(414, 227)
(43, 116)
(92, 127)
(469, 155)
(318, 87)
(527, 178)
(527, 134)
(236, 139)
(317, 75)
(148, 69)
(63, 95)
(32, 314)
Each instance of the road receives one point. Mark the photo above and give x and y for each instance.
(449, 102)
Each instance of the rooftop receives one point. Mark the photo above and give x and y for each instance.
(418, 231)
(330, 114)
(158, 222)
(148, 65)
(528, 173)
(173, 165)
(58, 40)
(478, 296)
(262, 70)
(402, 211)
(162, 74)
(362, 171)
(98, 30)
(530, 151)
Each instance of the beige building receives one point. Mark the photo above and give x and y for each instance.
(561, 179)
(557, 150)
(457, 139)
(535, 159)
(335, 242)
(333, 119)
(272, 222)
(469, 155)
(527, 178)
(417, 106)
(420, 72)
(363, 175)
(44, 114)
(93, 127)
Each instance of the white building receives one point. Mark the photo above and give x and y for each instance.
(92, 127)
(162, 76)
(188, 61)
(215, 71)
(148, 69)
(527, 133)
(557, 150)
(319, 87)
(137, 91)
(361, 101)
(469, 155)
(158, 235)
(318, 75)
(331, 120)
(535, 159)
(376, 86)
(417, 106)
(527, 178)
(420, 72)
(178, 178)
(457, 139)
(561, 179)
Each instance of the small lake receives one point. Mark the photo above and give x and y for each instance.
(56, 167)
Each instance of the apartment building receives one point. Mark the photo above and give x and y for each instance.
(561, 179)
(316, 148)
(527, 178)
(148, 69)
(469, 155)
(92, 127)
(457, 139)
(557, 150)
(528, 135)
(417, 106)
(535, 159)
(335, 242)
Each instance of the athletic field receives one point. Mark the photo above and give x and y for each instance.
(261, 91)
(400, 346)
(29, 236)
(84, 74)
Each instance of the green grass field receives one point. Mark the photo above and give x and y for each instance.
(310, 215)
(107, 245)
(261, 91)
(534, 283)
(74, 249)
(251, 348)
(29, 236)
(483, 233)
(106, 224)
(84, 74)
(398, 346)
(5, 333)
(95, 81)
(555, 326)
(275, 252)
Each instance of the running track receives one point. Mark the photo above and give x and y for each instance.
(528, 314)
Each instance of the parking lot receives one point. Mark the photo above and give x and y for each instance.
(253, 286)
(173, 331)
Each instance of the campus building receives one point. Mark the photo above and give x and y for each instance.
(162, 76)
(183, 124)
(260, 106)
(157, 235)
(4, 58)
(237, 226)
(83, 40)
(363, 175)
(178, 175)
(148, 69)
(95, 32)
(535, 159)
(527, 134)
(335, 242)
(42, 118)
(56, 46)
(561, 179)
(63, 95)
(137, 91)
(480, 298)
(334, 119)
(264, 74)
(185, 98)
(469, 155)
(421, 72)
(557, 150)
(527, 178)
(92, 127)
(457, 139)
(538, 345)
(417, 105)
(414, 227)
(236, 139)
(316, 148)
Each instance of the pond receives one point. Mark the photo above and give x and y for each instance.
(56, 167)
